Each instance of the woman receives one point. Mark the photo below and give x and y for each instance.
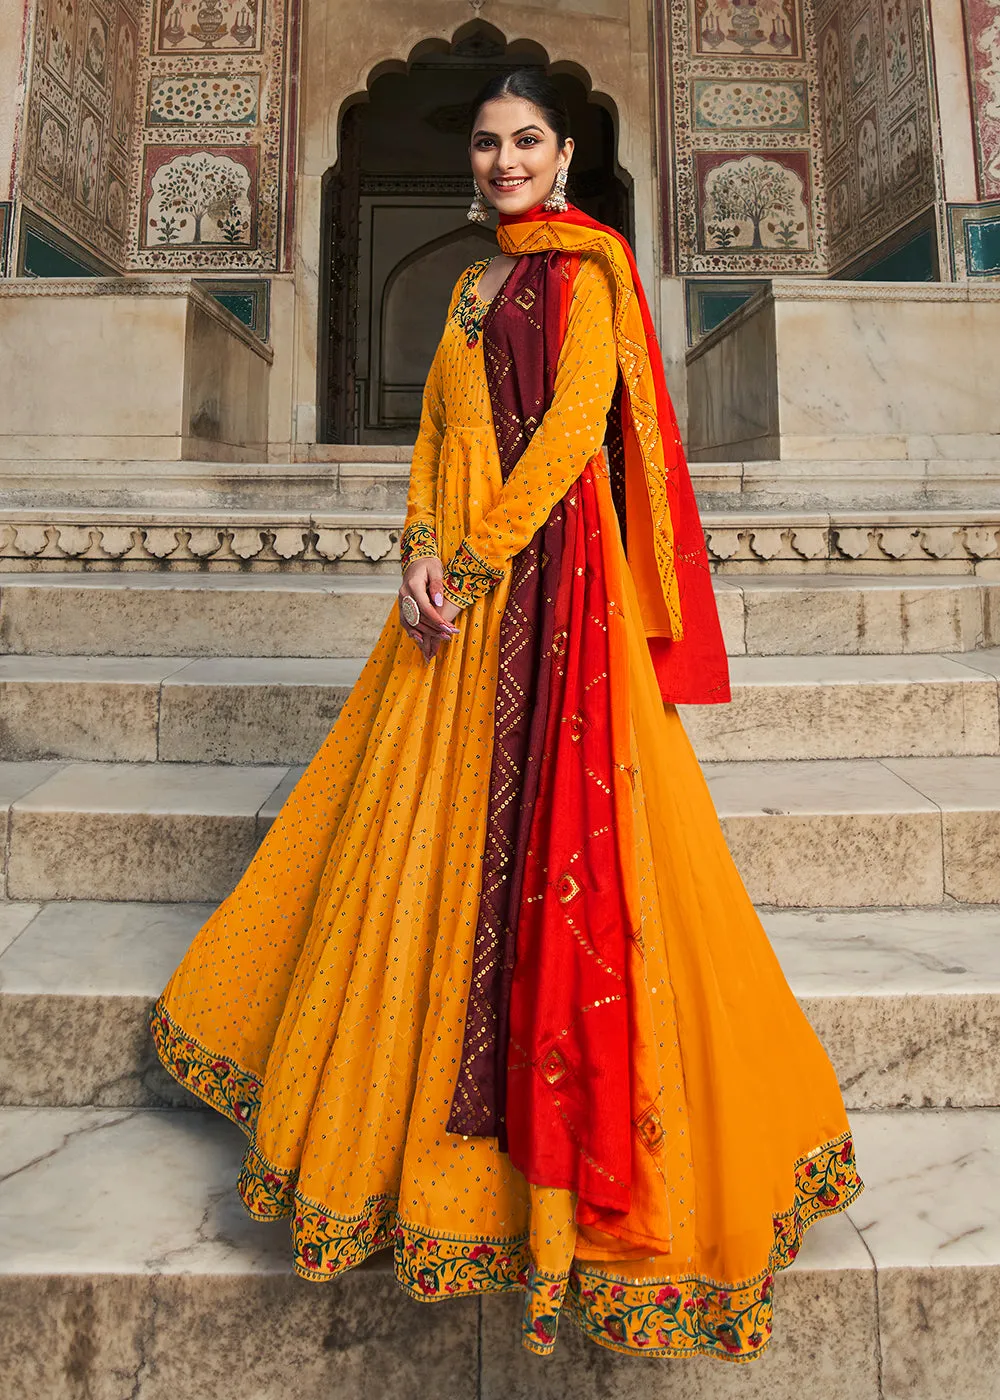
(491, 993)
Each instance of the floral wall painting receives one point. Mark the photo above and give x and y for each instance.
(743, 104)
(88, 160)
(862, 67)
(191, 99)
(52, 147)
(80, 127)
(983, 31)
(208, 26)
(740, 130)
(200, 196)
(834, 112)
(878, 144)
(753, 28)
(116, 205)
(840, 208)
(897, 44)
(214, 107)
(904, 152)
(58, 22)
(869, 175)
(95, 48)
(121, 107)
(754, 202)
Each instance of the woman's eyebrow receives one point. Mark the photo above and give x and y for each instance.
(519, 132)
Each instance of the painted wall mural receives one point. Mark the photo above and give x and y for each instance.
(983, 31)
(875, 117)
(211, 184)
(79, 132)
(739, 80)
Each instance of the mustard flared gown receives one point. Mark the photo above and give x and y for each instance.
(322, 1006)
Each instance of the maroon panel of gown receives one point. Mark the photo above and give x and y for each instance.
(522, 339)
(521, 343)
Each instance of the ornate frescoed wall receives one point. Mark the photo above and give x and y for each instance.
(983, 33)
(79, 130)
(738, 103)
(876, 120)
(211, 179)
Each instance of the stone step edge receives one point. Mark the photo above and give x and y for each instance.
(899, 1031)
(908, 831)
(259, 710)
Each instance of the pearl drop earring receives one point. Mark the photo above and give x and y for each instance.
(557, 203)
(478, 210)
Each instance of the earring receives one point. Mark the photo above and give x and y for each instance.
(479, 210)
(556, 202)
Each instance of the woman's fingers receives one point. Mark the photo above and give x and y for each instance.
(427, 589)
(435, 582)
(420, 600)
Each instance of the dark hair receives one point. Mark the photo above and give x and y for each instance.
(532, 86)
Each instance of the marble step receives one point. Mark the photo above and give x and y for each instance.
(279, 709)
(206, 614)
(813, 834)
(241, 536)
(350, 477)
(907, 1002)
(109, 1215)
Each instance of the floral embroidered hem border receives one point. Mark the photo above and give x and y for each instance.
(469, 577)
(661, 1317)
(418, 541)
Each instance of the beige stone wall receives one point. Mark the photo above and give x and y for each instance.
(850, 370)
(13, 38)
(168, 373)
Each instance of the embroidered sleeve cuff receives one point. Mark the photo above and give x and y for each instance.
(418, 541)
(469, 577)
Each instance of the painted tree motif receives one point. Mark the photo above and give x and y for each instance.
(752, 190)
(203, 185)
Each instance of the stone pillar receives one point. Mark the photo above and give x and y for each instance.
(951, 72)
(12, 39)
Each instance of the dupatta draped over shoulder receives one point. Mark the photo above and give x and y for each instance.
(661, 527)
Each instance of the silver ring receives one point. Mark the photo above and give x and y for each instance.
(408, 607)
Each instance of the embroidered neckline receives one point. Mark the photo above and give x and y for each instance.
(470, 309)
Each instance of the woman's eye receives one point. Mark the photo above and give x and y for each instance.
(528, 140)
(484, 143)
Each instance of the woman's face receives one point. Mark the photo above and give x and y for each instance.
(515, 154)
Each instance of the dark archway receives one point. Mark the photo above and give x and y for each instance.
(395, 235)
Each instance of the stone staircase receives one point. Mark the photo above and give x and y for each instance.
(171, 653)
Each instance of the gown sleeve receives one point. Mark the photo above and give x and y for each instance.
(419, 538)
(571, 432)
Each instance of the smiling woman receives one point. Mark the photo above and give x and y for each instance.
(489, 992)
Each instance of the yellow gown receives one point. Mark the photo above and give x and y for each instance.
(322, 1006)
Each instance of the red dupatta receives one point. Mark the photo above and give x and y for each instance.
(665, 541)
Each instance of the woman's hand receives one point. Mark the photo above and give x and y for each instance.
(422, 581)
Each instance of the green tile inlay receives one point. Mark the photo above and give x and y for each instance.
(982, 246)
(716, 306)
(241, 304)
(43, 259)
(914, 262)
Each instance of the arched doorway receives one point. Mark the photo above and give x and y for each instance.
(395, 235)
